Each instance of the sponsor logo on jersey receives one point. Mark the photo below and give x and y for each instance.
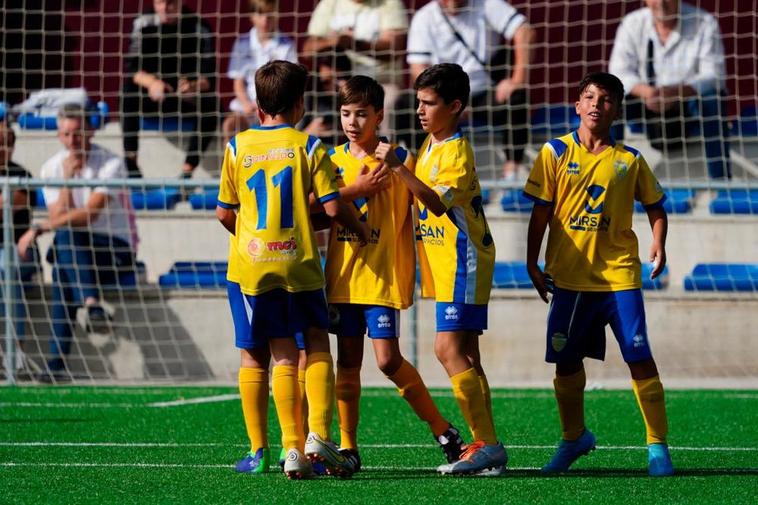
(255, 247)
(572, 168)
(451, 313)
(279, 153)
(558, 341)
(383, 321)
(345, 235)
(595, 221)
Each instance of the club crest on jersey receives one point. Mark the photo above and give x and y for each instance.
(433, 173)
(620, 168)
(558, 341)
(572, 168)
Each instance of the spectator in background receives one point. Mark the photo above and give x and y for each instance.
(22, 201)
(371, 33)
(95, 234)
(470, 33)
(670, 57)
(321, 118)
(170, 69)
(263, 43)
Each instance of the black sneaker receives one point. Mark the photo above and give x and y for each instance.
(132, 168)
(352, 456)
(451, 444)
(97, 319)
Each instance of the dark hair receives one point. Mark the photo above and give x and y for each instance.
(609, 82)
(279, 85)
(448, 80)
(362, 90)
(262, 6)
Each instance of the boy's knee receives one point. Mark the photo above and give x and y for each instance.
(389, 363)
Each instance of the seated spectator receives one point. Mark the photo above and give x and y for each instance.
(95, 237)
(170, 70)
(260, 45)
(321, 117)
(371, 33)
(23, 200)
(470, 33)
(671, 60)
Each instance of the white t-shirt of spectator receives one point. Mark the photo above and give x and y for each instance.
(117, 217)
(482, 24)
(367, 20)
(249, 54)
(692, 55)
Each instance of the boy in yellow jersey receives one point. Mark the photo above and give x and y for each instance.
(367, 286)
(584, 185)
(456, 254)
(267, 175)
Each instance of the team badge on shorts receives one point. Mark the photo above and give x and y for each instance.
(559, 341)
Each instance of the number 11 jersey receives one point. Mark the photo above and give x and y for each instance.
(267, 174)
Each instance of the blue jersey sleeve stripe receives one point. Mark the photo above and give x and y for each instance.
(536, 200)
(225, 205)
(656, 205)
(331, 151)
(632, 150)
(558, 147)
(402, 154)
(330, 196)
(311, 145)
(233, 146)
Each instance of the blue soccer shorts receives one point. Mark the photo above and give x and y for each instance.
(577, 319)
(453, 316)
(352, 320)
(275, 314)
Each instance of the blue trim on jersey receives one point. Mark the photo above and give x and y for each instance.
(311, 144)
(330, 196)
(575, 135)
(656, 205)
(274, 127)
(632, 150)
(331, 151)
(558, 146)
(233, 145)
(459, 287)
(536, 200)
(346, 150)
(402, 154)
(225, 205)
(455, 136)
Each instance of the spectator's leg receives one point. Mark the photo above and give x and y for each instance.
(63, 316)
(711, 111)
(514, 129)
(112, 257)
(131, 105)
(205, 111)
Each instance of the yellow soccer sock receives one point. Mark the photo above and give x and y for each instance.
(650, 397)
(411, 387)
(303, 398)
(487, 396)
(319, 386)
(287, 401)
(569, 393)
(348, 389)
(468, 392)
(253, 384)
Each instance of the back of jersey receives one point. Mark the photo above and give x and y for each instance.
(268, 173)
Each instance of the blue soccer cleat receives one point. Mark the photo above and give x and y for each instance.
(478, 459)
(659, 461)
(569, 451)
(255, 463)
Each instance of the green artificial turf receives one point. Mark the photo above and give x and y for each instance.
(113, 445)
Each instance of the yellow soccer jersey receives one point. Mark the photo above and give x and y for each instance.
(268, 172)
(591, 245)
(457, 247)
(382, 272)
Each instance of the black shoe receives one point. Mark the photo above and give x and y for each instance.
(55, 372)
(353, 457)
(132, 168)
(451, 444)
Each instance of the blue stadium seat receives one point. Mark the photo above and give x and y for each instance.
(746, 124)
(29, 121)
(678, 201)
(167, 124)
(555, 119)
(40, 199)
(129, 278)
(156, 199)
(204, 201)
(723, 277)
(511, 275)
(486, 196)
(195, 274)
(735, 201)
(513, 200)
(660, 282)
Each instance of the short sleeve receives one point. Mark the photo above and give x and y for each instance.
(503, 18)
(393, 16)
(540, 186)
(113, 168)
(318, 26)
(647, 190)
(420, 43)
(227, 190)
(239, 58)
(452, 177)
(323, 178)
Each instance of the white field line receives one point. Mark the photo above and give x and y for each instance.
(225, 467)
(367, 446)
(68, 405)
(195, 401)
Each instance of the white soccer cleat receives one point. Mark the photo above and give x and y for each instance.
(297, 466)
(327, 452)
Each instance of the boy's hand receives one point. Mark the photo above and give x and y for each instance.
(158, 89)
(658, 259)
(542, 283)
(385, 153)
(370, 182)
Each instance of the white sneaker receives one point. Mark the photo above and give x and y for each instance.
(297, 466)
